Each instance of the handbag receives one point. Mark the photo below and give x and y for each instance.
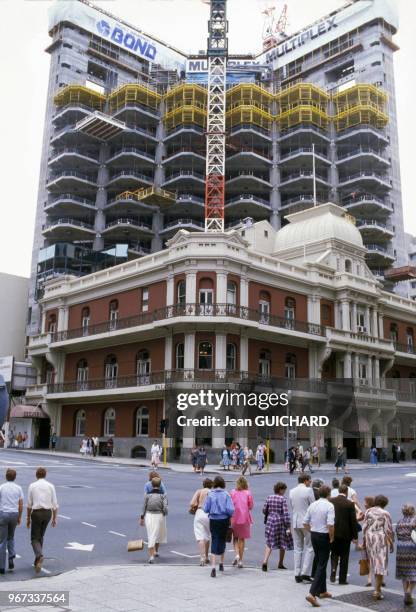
(229, 536)
(134, 545)
(413, 536)
(364, 567)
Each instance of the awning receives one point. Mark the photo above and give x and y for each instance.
(26, 411)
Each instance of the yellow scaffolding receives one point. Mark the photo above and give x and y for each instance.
(249, 103)
(302, 103)
(186, 103)
(79, 94)
(133, 93)
(360, 104)
(149, 195)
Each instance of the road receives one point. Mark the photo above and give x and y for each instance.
(100, 502)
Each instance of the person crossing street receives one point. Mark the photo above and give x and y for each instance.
(11, 508)
(42, 506)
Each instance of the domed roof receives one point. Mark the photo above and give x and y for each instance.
(315, 224)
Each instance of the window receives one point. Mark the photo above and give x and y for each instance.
(266, 234)
(409, 340)
(145, 299)
(290, 366)
(143, 367)
(231, 357)
(265, 361)
(264, 307)
(50, 374)
(82, 375)
(113, 316)
(111, 372)
(325, 314)
(181, 292)
(231, 297)
(52, 323)
(290, 309)
(80, 420)
(205, 301)
(361, 321)
(362, 371)
(205, 356)
(180, 356)
(396, 431)
(394, 332)
(110, 422)
(142, 422)
(348, 265)
(85, 321)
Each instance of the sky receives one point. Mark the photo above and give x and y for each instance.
(183, 23)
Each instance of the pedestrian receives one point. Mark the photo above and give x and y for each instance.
(54, 438)
(345, 532)
(201, 459)
(248, 457)
(240, 457)
(320, 519)
(300, 498)
(277, 521)
(90, 445)
(242, 520)
(306, 461)
(110, 447)
(11, 509)
(220, 508)
(292, 460)
(374, 456)
(406, 552)
(24, 439)
(154, 513)
(193, 457)
(155, 454)
(19, 439)
(96, 445)
(341, 460)
(83, 447)
(368, 503)
(378, 538)
(399, 453)
(335, 488)
(259, 458)
(148, 487)
(352, 494)
(234, 457)
(201, 520)
(317, 483)
(394, 452)
(316, 460)
(42, 506)
(226, 459)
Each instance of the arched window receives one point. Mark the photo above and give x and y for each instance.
(143, 367)
(231, 296)
(113, 314)
(80, 420)
(290, 365)
(206, 296)
(409, 339)
(394, 332)
(50, 374)
(264, 307)
(85, 320)
(290, 312)
(205, 356)
(181, 292)
(142, 422)
(180, 356)
(82, 374)
(348, 265)
(265, 363)
(110, 371)
(231, 357)
(110, 422)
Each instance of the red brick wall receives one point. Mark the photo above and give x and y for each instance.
(404, 371)
(278, 354)
(401, 328)
(277, 298)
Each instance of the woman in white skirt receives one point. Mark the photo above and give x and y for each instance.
(83, 447)
(155, 511)
(155, 453)
(201, 520)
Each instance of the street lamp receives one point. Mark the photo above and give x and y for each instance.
(289, 397)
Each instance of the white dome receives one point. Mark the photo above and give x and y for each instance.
(315, 224)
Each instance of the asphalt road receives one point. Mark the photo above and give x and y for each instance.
(99, 505)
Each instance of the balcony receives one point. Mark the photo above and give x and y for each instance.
(38, 344)
(77, 109)
(379, 256)
(304, 153)
(367, 177)
(302, 201)
(248, 180)
(131, 110)
(356, 133)
(302, 129)
(255, 131)
(373, 155)
(68, 204)
(189, 177)
(133, 155)
(181, 156)
(184, 128)
(250, 157)
(247, 205)
(68, 229)
(129, 178)
(367, 204)
(125, 228)
(374, 230)
(339, 338)
(132, 129)
(71, 179)
(73, 156)
(189, 204)
(303, 177)
(224, 313)
(189, 224)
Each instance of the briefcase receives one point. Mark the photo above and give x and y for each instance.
(134, 545)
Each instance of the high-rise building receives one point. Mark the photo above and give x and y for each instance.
(310, 119)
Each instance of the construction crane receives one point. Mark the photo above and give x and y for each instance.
(217, 52)
(274, 31)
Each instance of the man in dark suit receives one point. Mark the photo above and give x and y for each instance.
(346, 530)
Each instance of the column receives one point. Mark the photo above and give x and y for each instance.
(374, 330)
(347, 365)
(157, 225)
(63, 318)
(355, 367)
(244, 354)
(159, 177)
(220, 351)
(189, 357)
(337, 318)
(313, 362)
(168, 353)
(354, 317)
(380, 325)
(314, 309)
(191, 288)
(367, 319)
(243, 291)
(332, 153)
(221, 293)
(43, 323)
(275, 200)
(170, 290)
(345, 309)
(370, 370)
(101, 198)
(376, 372)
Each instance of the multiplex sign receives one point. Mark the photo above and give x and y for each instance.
(201, 65)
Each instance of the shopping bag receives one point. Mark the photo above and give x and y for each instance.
(364, 567)
(134, 545)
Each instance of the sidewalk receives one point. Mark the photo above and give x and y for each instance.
(274, 468)
(188, 589)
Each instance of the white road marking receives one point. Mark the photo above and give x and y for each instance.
(68, 518)
(18, 557)
(117, 533)
(78, 546)
(411, 474)
(88, 524)
(13, 462)
(175, 552)
(45, 570)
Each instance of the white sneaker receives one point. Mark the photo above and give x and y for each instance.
(151, 560)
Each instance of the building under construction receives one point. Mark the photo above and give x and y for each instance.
(310, 119)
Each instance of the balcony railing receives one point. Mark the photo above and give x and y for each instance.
(132, 150)
(363, 175)
(183, 222)
(248, 196)
(374, 223)
(362, 150)
(367, 197)
(129, 173)
(128, 221)
(189, 197)
(65, 197)
(191, 310)
(68, 221)
(405, 348)
(72, 174)
(303, 174)
(299, 150)
(185, 173)
(73, 150)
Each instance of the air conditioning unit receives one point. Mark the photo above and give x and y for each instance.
(364, 381)
(361, 329)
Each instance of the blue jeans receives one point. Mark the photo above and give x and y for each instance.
(8, 522)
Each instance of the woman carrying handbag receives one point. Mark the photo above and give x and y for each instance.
(201, 520)
(155, 510)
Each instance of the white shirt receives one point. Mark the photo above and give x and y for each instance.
(319, 515)
(42, 494)
(334, 493)
(300, 498)
(351, 493)
(10, 493)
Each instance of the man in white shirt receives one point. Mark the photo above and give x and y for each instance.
(42, 505)
(11, 508)
(335, 487)
(320, 520)
(300, 499)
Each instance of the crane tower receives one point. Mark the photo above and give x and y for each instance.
(217, 51)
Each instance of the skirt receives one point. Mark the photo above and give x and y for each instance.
(275, 533)
(218, 529)
(156, 529)
(201, 526)
(242, 531)
(406, 560)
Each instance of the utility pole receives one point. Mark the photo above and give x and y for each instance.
(217, 52)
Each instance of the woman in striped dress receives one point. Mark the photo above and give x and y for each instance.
(406, 552)
(277, 521)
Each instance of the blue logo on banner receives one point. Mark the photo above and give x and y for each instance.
(127, 40)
